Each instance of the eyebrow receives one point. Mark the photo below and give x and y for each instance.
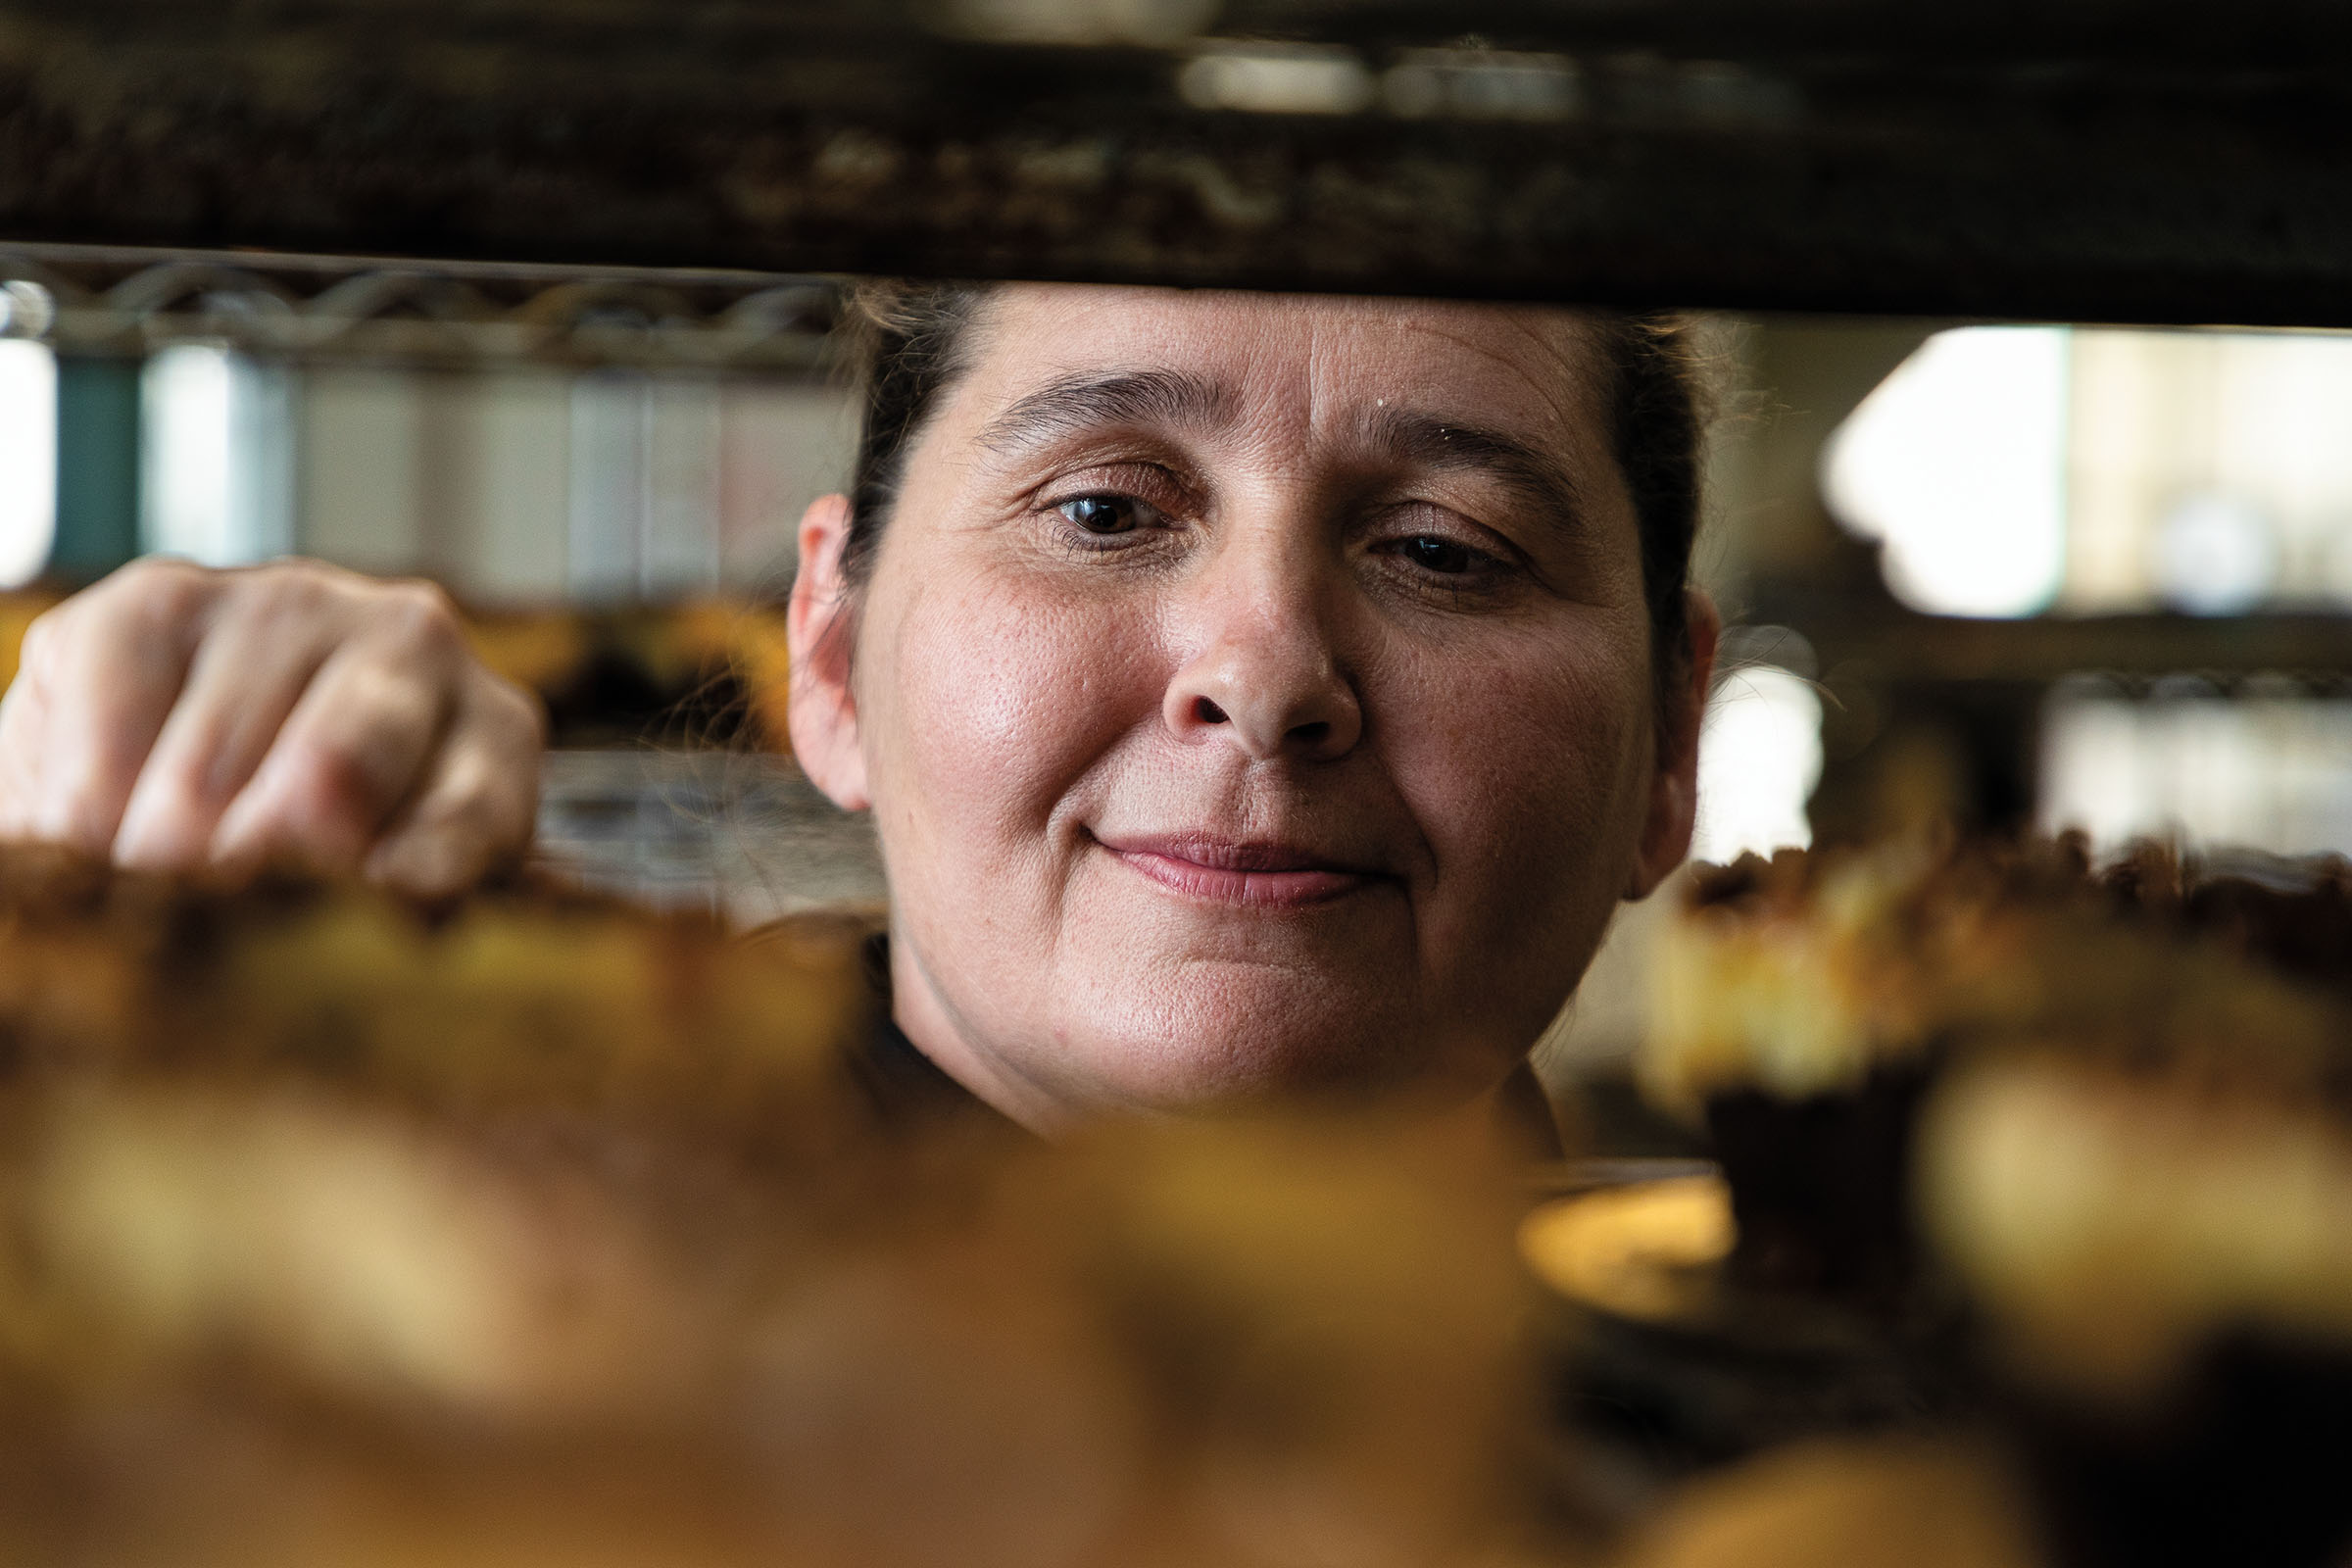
(1429, 442)
(1126, 397)
(1088, 402)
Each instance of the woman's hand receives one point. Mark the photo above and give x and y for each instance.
(175, 717)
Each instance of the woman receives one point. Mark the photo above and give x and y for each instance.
(1252, 694)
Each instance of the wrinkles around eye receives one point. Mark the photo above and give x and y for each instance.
(1458, 572)
(1097, 519)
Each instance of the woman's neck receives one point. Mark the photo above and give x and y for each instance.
(930, 1024)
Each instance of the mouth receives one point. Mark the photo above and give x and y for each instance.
(1251, 873)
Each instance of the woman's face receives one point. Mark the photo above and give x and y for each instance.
(1252, 694)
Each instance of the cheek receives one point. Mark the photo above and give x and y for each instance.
(990, 698)
(1523, 766)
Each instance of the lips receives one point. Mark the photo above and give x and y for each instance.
(1253, 872)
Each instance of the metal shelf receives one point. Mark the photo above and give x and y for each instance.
(2087, 161)
(1896, 647)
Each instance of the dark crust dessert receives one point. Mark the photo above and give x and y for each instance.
(1802, 1005)
(1821, 1185)
(2159, 1254)
(2245, 1463)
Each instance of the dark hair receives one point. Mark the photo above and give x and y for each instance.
(910, 339)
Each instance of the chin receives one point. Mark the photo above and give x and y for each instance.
(1250, 1034)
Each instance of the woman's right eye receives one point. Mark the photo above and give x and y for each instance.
(1106, 514)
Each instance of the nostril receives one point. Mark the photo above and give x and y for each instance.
(1312, 735)
(1207, 713)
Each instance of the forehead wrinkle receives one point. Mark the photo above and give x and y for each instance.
(1090, 401)
(1553, 392)
(1427, 441)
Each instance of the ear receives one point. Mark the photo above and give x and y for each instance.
(1674, 776)
(823, 715)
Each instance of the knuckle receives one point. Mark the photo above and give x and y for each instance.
(513, 715)
(151, 599)
(482, 796)
(336, 787)
(426, 603)
(295, 585)
(420, 616)
(299, 594)
(484, 812)
(159, 579)
(36, 654)
(430, 863)
(177, 787)
(157, 598)
(147, 571)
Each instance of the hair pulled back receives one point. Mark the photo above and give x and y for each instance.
(910, 341)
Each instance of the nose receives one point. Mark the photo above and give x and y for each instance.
(1264, 675)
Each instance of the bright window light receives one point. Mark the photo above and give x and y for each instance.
(2212, 472)
(185, 469)
(2215, 554)
(1277, 79)
(27, 460)
(1957, 464)
(2008, 470)
(1759, 757)
(218, 470)
(2262, 771)
(1482, 84)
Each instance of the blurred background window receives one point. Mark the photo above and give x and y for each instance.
(220, 460)
(2009, 471)
(1958, 466)
(509, 483)
(27, 460)
(2266, 767)
(1759, 757)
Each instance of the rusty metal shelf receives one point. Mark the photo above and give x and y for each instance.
(2085, 160)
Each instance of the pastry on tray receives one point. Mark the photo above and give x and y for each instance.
(2105, 1118)
(2158, 1248)
(1802, 1006)
(538, 1229)
(1895, 1503)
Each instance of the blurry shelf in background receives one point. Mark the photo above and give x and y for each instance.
(1896, 647)
(2088, 161)
(743, 834)
(693, 676)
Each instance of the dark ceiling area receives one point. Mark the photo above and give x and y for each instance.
(2094, 162)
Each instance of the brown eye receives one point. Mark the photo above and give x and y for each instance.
(1442, 556)
(1104, 514)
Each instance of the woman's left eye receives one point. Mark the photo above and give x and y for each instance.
(1437, 554)
(1106, 515)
